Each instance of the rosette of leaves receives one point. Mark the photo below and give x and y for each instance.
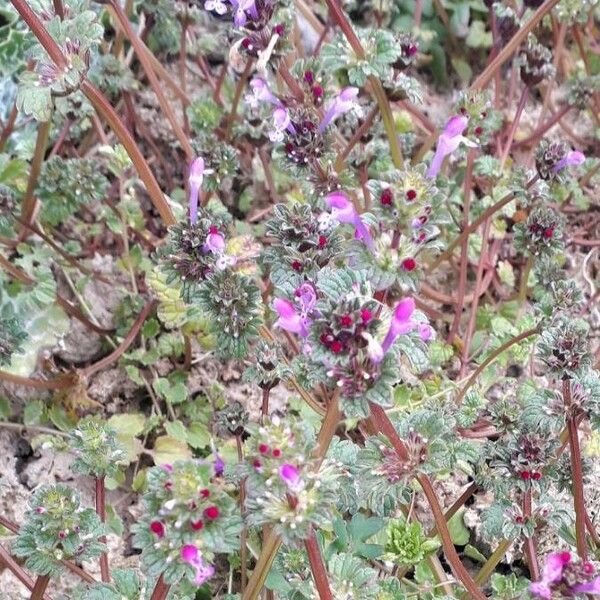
(77, 34)
(269, 449)
(563, 347)
(184, 258)
(541, 233)
(232, 304)
(12, 336)
(303, 245)
(184, 506)
(269, 367)
(407, 544)
(57, 528)
(97, 449)
(381, 52)
(66, 184)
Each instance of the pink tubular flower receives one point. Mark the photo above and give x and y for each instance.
(191, 555)
(343, 103)
(281, 123)
(243, 8)
(291, 477)
(402, 323)
(560, 572)
(449, 140)
(574, 158)
(343, 211)
(261, 93)
(289, 318)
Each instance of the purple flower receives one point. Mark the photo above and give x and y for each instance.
(290, 318)
(243, 9)
(343, 103)
(281, 123)
(403, 323)
(261, 93)
(291, 477)
(215, 242)
(343, 211)
(191, 555)
(195, 179)
(218, 465)
(574, 158)
(560, 572)
(449, 140)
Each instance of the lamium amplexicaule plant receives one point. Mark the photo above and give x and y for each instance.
(306, 295)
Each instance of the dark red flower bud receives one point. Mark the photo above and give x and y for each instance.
(276, 452)
(309, 77)
(263, 448)
(157, 528)
(386, 197)
(204, 493)
(297, 265)
(409, 264)
(322, 241)
(525, 475)
(346, 321)
(411, 195)
(197, 525)
(548, 232)
(536, 475)
(336, 347)
(212, 512)
(279, 29)
(366, 315)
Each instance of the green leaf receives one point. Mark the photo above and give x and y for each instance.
(167, 450)
(176, 429)
(198, 436)
(114, 521)
(458, 531)
(33, 412)
(128, 424)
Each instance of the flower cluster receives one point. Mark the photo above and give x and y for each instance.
(97, 448)
(189, 517)
(283, 487)
(541, 233)
(57, 527)
(552, 157)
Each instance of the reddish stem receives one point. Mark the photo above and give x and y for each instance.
(264, 410)
(41, 583)
(161, 590)
(317, 566)
(17, 570)
(101, 512)
(576, 473)
(530, 552)
(544, 127)
(514, 125)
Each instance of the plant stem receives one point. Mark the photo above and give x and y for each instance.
(9, 127)
(264, 409)
(142, 53)
(17, 570)
(41, 583)
(576, 472)
(511, 47)
(489, 212)
(317, 566)
(239, 89)
(492, 357)
(544, 127)
(104, 108)
(514, 125)
(101, 512)
(464, 250)
(377, 90)
(28, 202)
(161, 590)
(387, 428)
(244, 534)
(530, 552)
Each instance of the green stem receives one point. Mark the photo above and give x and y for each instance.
(492, 357)
(377, 90)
